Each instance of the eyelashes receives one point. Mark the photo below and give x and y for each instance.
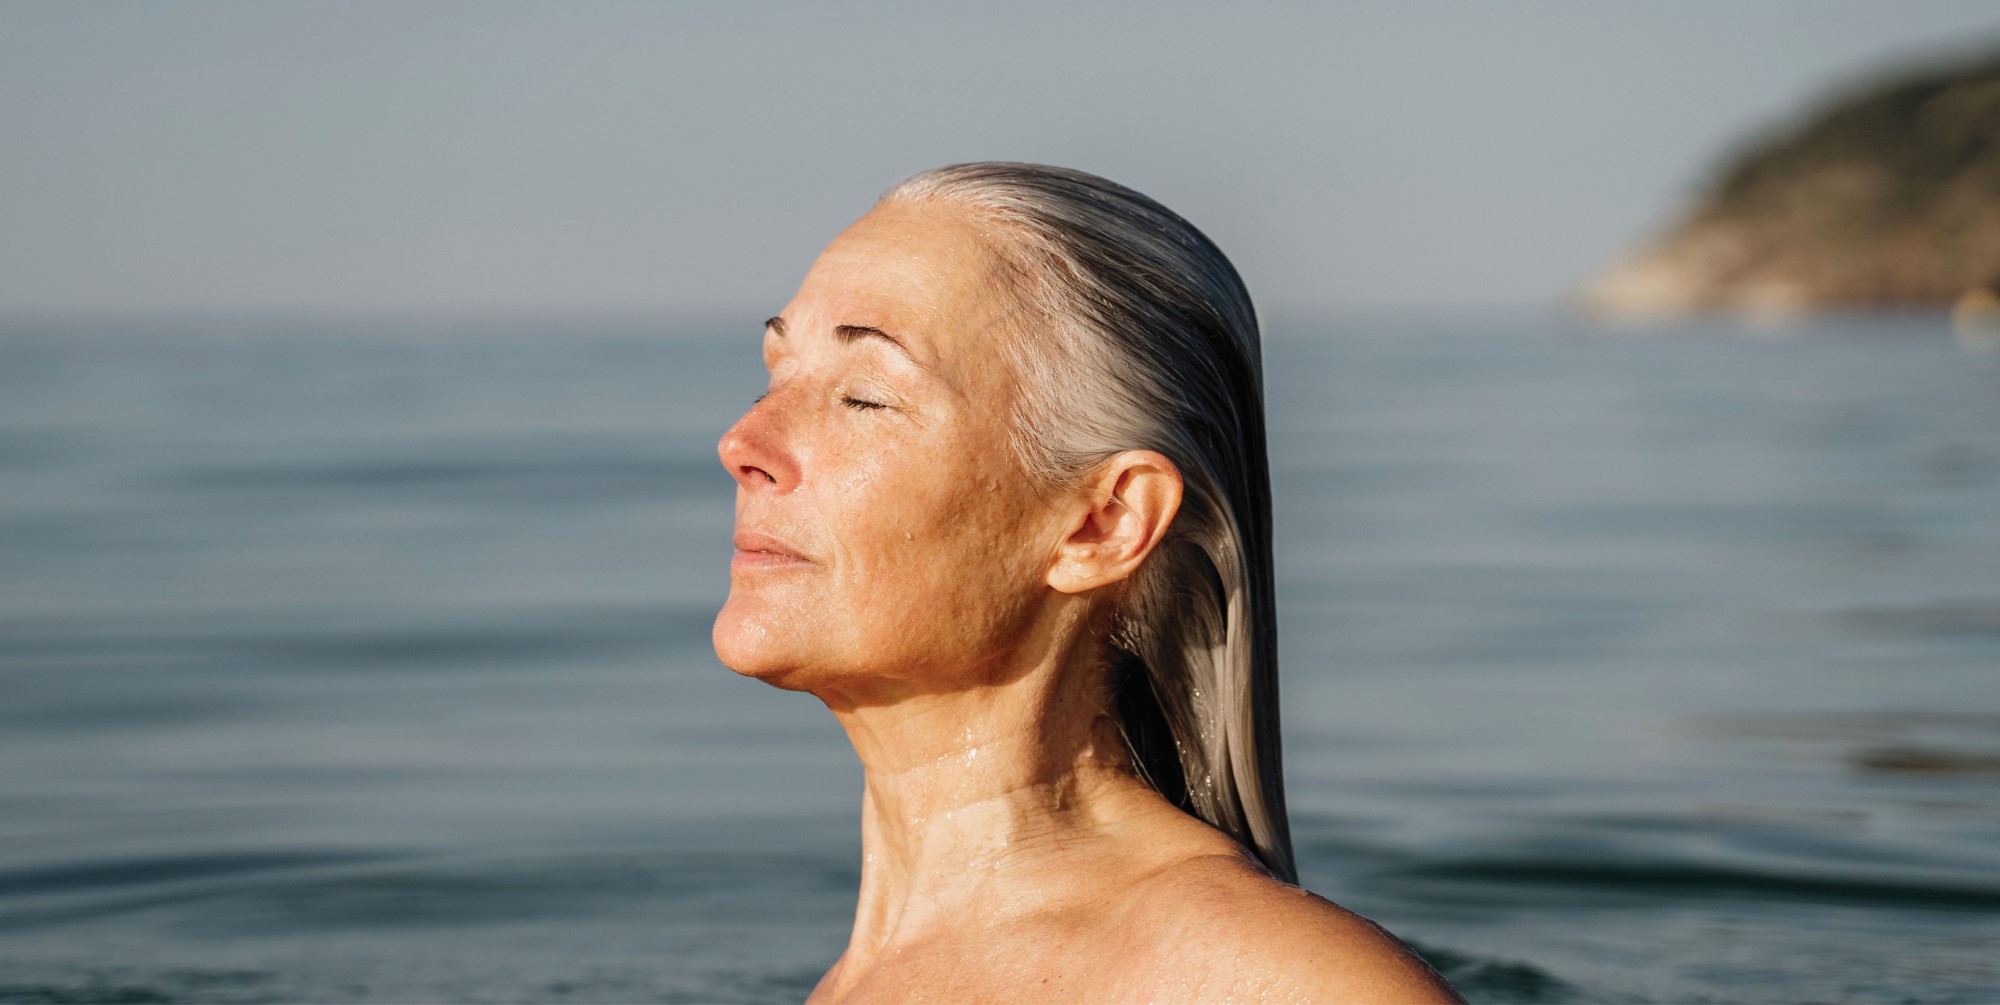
(858, 404)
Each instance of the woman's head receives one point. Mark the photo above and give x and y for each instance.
(1010, 388)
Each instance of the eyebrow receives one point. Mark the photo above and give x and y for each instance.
(849, 333)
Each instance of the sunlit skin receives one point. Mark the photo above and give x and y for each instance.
(894, 560)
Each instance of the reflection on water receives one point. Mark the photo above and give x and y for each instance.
(1925, 760)
(372, 665)
(1897, 742)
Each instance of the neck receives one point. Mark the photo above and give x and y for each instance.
(968, 790)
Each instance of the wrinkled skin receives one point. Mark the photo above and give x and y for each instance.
(896, 562)
(892, 505)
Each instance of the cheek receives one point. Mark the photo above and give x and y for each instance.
(939, 555)
(934, 563)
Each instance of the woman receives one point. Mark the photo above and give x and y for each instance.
(1005, 509)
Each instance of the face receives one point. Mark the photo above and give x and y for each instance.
(885, 533)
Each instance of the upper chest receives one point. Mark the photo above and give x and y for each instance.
(1055, 962)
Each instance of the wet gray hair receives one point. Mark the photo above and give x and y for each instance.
(1139, 335)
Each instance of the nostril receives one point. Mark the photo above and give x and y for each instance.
(750, 452)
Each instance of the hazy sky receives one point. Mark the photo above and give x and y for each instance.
(617, 157)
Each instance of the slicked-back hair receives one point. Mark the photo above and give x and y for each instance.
(1137, 334)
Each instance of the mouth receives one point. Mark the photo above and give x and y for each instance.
(759, 550)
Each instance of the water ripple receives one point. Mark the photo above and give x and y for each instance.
(1682, 879)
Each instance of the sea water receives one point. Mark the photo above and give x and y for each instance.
(368, 660)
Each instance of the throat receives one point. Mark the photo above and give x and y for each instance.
(931, 866)
(977, 805)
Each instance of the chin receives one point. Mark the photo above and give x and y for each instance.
(747, 642)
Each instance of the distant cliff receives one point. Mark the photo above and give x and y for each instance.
(1889, 197)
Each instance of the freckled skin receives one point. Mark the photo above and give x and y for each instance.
(877, 497)
(951, 615)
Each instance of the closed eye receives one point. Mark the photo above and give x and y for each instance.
(861, 404)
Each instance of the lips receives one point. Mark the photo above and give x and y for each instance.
(764, 547)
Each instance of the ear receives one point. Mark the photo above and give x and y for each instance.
(1124, 512)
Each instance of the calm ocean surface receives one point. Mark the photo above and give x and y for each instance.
(353, 662)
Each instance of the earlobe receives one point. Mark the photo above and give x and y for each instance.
(1121, 517)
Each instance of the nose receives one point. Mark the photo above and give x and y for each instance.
(754, 452)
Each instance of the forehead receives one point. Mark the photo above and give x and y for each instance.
(923, 271)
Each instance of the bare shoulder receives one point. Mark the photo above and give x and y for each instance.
(1232, 931)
